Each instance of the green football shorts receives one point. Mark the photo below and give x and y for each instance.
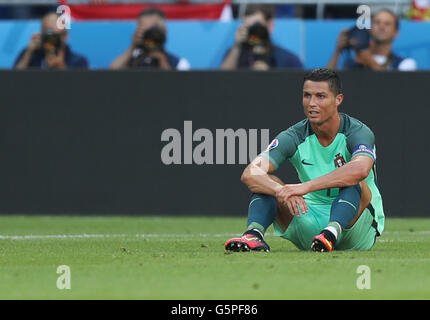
(302, 229)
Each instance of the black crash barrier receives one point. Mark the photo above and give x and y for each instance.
(131, 142)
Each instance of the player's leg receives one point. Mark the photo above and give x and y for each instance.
(361, 233)
(262, 211)
(366, 196)
(301, 230)
(283, 215)
(345, 211)
(261, 214)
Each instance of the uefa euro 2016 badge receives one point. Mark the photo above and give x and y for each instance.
(339, 161)
(272, 145)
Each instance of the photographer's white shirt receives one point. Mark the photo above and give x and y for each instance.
(183, 65)
(407, 64)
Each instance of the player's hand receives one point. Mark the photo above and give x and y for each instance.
(288, 190)
(290, 195)
(293, 204)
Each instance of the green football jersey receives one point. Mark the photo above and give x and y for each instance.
(301, 147)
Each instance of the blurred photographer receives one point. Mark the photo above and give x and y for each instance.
(372, 48)
(147, 47)
(253, 48)
(49, 49)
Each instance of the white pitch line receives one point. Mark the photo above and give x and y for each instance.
(101, 236)
(407, 232)
(60, 236)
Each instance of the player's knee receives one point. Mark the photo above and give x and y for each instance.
(266, 200)
(354, 188)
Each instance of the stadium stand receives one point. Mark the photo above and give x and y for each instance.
(204, 39)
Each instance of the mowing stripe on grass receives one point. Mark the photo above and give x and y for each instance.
(164, 235)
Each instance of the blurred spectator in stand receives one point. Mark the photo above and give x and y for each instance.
(285, 11)
(420, 10)
(253, 48)
(147, 46)
(49, 49)
(25, 11)
(373, 49)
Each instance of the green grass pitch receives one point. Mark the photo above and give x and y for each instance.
(184, 258)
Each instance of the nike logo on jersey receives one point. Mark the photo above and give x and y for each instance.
(307, 163)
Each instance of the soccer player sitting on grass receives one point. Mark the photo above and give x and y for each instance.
(337, 205)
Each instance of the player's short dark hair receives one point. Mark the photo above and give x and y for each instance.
(324, 74)
(267, 10)
(396, 18)
(151, 12)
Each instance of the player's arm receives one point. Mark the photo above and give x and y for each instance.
(361, 146)
(259, 180)
(349, 174)
(256, 177)
(257, 174)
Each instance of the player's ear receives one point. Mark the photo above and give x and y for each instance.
(339, 99)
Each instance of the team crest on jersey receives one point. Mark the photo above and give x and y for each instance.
(272, 145)
(339, 161)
